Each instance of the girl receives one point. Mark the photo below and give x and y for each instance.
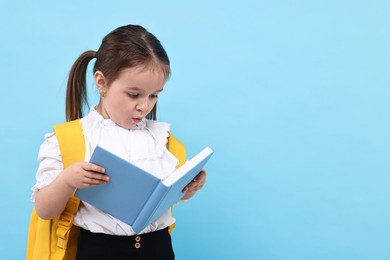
(130, 71)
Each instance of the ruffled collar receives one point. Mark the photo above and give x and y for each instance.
(144, 145)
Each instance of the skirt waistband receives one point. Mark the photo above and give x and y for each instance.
(145, 236)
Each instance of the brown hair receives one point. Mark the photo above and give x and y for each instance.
(126, 47)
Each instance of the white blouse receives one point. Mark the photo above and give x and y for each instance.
(143, 145)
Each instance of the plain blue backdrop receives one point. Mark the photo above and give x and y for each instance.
(293, 96)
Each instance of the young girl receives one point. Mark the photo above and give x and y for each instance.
(130, 72)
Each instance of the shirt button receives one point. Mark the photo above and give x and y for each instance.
(137, 238)
(137, 245)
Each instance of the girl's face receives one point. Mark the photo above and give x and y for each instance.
(130, 97)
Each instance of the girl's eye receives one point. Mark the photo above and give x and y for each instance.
(132, 95)
(154, 96)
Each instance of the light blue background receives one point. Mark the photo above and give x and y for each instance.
(292, 95)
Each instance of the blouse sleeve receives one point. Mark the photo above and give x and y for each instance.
(50, 163)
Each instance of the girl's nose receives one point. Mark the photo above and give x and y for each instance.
(143, 105)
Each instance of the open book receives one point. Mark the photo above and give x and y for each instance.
(135, 196)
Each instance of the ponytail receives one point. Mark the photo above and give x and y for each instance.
(76, 93)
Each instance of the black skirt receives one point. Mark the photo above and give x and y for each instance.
(150, 246)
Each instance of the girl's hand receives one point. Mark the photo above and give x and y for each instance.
(51, 200)
(82, 175)
(196, 184)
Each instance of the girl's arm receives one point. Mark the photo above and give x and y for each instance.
(196, 184)
(51, 200)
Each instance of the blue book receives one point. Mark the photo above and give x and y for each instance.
(135, 196)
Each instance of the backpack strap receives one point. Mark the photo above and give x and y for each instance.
(177, 148)
(71, 142)
(72, 147)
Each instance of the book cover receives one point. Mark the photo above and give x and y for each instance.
(135, 196)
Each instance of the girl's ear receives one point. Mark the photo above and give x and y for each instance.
(100, 81)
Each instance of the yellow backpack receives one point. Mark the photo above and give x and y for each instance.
(56, 239)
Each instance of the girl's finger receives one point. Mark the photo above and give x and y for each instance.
(100, 177)
(93, 168)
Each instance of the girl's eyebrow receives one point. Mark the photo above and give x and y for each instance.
(139, 89)
(134, 88)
